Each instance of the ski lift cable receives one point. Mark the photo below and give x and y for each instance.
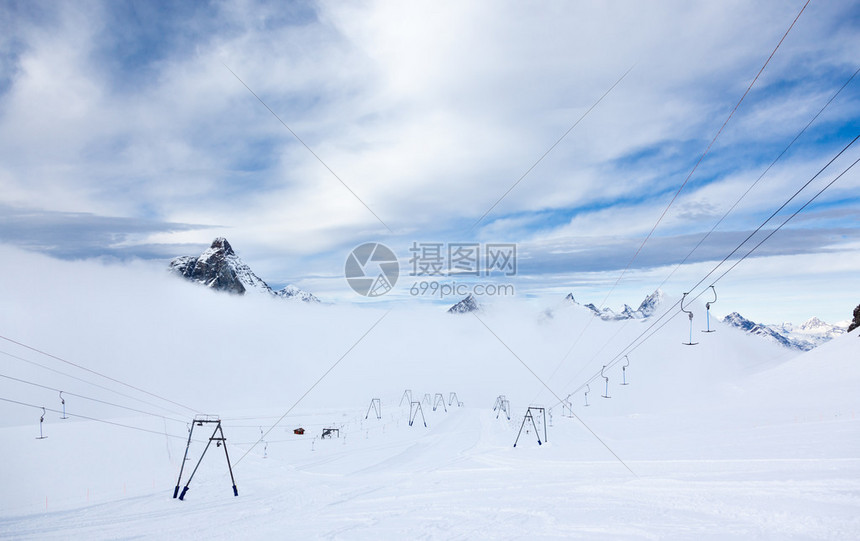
(527, 367)
(769, 235)
(69, 393)
(633, 345)
(777, 211)
(713, 228)
(85, 417)
(739, 246)
(753, 185)
(60, 372)
(312, 387)
(686, 180)
(704, 154)
(84, 368)
(545, 154)
(309, 149)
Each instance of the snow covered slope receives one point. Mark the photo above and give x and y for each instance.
(735, 438)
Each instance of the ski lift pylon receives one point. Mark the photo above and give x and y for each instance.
(439, 399)
(414, 409)
(530, 416)
(376, 406)
(587, 390)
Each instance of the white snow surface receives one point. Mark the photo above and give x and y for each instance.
(735, 438)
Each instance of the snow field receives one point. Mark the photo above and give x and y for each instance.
(735, 438)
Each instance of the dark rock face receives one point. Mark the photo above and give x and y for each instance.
(219, 268)
(213, 268)
(469, 304)
(856, 321)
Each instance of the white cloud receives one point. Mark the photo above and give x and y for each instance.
(428, 111)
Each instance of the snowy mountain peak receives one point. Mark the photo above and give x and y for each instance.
(736, 320)
(219, 268)
(651, 303)
(646, 309)
(469, 304)
(221, 244)
(292, 292)
(804, 337)
(570, 298)
(813, 323)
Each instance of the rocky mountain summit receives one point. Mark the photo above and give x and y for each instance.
(219, 268)
(468, 304)
(647, 308)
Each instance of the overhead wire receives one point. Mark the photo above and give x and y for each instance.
(69, 393)
(724, 216)
(680, 188)
(561, 400)
(633, 345)
(312, 387)
(755, 183)
(95, 372)
(88, 382)
(88, 418)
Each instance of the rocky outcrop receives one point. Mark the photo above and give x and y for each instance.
(219, 268)
(856, 321)
(469, 304)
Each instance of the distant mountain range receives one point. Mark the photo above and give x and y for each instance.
(646, 308)
(219, 268)
(803, 337)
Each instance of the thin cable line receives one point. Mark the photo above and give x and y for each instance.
(769, 235)
(560, 139)
(753, 185)
(34, 363)
(299, 139)
(554, 394)
(777, 211)
(138, 389)
(708, 234)
(632, 346)
(160, 434)
(702, 157)
(312, 387)
(69, 393)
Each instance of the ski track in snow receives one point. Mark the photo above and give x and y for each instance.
(461, 479)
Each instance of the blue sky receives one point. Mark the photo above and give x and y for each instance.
(123, 135)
